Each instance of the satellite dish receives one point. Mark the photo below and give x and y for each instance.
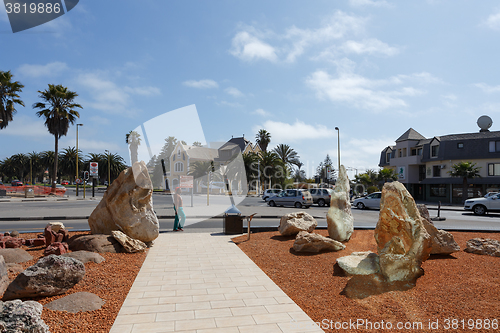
(484, 123)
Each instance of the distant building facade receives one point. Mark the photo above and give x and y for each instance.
(423, 164)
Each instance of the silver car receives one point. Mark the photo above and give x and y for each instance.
(321, 196)
(370, 201)
(296, 198)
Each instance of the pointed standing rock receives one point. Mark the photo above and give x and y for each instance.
(339, 216)
(442, 241)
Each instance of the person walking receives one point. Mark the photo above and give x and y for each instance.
(180, 216)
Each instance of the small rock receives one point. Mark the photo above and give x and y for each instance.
(18, 317)
(309, 242)
(13, 243)
(85, 256)
(55, 226)
(360, 263)
(14, 233)
(442, 241)
(293, 223)
(15, 255)
(82, 301)
(56, 248)
(4, 275)
(95, 243)
(129, 244)
(489, 247)
(36, 241)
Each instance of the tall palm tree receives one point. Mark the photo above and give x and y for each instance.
(7, 168)
(8, 97)
(68, 162)
(271, 168)
(287, 155)
(133, 139)
(116, 166)
(59, 111)
(465, 170)
(263, 139)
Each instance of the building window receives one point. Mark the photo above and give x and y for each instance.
(388, 157)
(460, 145)
(436, 171)
(404, 152)
(438, 190)
(400, 153)
(434, 151)
(493, 169)
(179, 153)
(416, 151)
(179, 167)
(494, 146)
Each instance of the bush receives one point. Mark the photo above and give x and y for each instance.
(371, 189)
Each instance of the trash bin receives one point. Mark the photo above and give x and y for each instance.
(28, 192)
(233, 222)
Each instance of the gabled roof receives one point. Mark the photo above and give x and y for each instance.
(201, 153)
(410, 134)
(241, 142)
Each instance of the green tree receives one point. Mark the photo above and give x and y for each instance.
(47, 160)
(133, 139)
(263, 138)
(197, 144)
(271, 169)
(287, 155)
(67, 164)
(465, 170)
(250, 162)
(7, 169)
(8, 97)
(165, 153)
(36, 166)
(387, 175)
(323, 167)
(21, 166)
(58, 109)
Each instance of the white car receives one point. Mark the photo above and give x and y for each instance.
(370, 201)
(480, 206)
(270, 193)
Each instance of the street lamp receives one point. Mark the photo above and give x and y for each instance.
(77, 157)
(338, 140)
(109, 167)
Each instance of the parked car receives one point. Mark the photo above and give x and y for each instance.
(490, 194)
(370, 201)
(297, 198)
(480, 206)
(65, 182)
(60, 188)
(17, 182)
(270, 193)
(321, 196)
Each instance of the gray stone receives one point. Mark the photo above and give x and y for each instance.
(442, 241)
(14, 233)
(51, 275)
(339, 217)
(76, 302)
(293, 223)
(4, 275)
(85, 256)
(95, 243)
(129, 244)
(14, 268)
(55, 226)
(22, 317)
(309, 242)
(489, 247)
(15, 256)
(360, 263)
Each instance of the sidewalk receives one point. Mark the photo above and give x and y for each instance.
(201, 282)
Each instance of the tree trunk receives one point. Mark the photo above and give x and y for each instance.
(465, 190)
(55, 164)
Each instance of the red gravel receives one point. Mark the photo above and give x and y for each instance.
(110, 280)
(461, 286)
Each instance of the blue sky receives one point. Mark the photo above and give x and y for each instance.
(296, 68)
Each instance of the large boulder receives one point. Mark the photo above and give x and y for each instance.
(83, 301)
(489, 247)
(51, 275)
(309, 242)
(95, 243)
(4, 275)
(442, 241)
(127, 205)
(130, 245)
(85, 256)
(293, 223)
(20, 317)
(15, 256)
(360, 263)
(339, 217)
(402, 241)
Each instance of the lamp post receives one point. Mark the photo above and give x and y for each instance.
(338, 141)
(77, 157)
(109, 167)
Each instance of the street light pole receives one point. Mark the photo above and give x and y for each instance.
(77, 157)
(109, 167)
(338, 141)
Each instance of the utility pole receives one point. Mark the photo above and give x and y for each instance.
(338, 141)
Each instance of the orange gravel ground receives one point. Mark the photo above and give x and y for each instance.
(110, 280)
(460, 291)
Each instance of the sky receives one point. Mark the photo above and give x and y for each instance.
(372, 68)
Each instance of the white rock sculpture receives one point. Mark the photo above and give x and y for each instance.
(339, 216)
(360, 263)
(55, 226)
(309, 242)
(442, 241)
(129, 244)
(293, 223)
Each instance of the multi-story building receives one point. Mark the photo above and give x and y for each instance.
(423, 164)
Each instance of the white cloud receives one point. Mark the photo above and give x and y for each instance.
(361, 3)
(369, 46)
(49, 70)
(143, 91)
(230, 104)
(296, 132)
(493, 21)
(100, 120)
(234, 92)
(248, 47)
(261, 112)
(201, 84)
(487, 88)
(25, 126)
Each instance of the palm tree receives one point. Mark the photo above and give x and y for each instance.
(271, 168)
(287, 155)
(8, 97)
(21, 165)
(59, 111)
(133, 139)
(7, 168)
(68, 162)
(465, 170)
(386, 175)
(116, 165)
(47, 160)
(36, 165)
(251, 169)
(263, 139)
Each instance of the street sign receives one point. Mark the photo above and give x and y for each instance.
(94, 169)
(78, 181)
(186, 182)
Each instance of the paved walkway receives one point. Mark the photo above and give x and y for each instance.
(201, 282)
